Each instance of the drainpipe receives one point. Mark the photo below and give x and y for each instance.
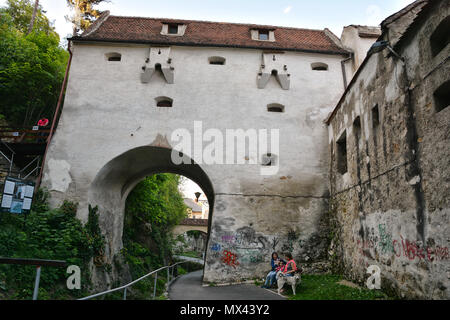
(344, 76)
(55, 116)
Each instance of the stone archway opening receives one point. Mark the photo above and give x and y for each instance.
(118, 177)
(192, 243)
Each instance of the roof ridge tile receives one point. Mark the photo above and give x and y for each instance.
(210, 34)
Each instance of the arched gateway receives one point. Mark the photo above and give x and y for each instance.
(118, 177)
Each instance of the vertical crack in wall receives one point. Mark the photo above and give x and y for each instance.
(414, 169)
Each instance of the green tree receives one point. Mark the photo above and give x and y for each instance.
(152, 209)
(22, 11)
(32, 66)
(85, 13)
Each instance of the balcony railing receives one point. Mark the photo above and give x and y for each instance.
(16, 134)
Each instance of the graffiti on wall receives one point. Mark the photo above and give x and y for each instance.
(401, 247)
(246, 246)
(230, 258)
(385, 239)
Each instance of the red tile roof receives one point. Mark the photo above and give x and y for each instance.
(203, 33)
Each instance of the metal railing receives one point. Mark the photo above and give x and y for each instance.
(17, 134)
(11, 158)
(125, 287)
(23, 174)
(34, 262)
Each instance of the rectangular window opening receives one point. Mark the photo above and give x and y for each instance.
(173, 29)
(442, 96)
(114, 59)
(263, 35)
(375, 117)
(342, 153)
(357, 128)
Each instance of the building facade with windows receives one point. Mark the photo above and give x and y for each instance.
(135, 81)
(389, 145)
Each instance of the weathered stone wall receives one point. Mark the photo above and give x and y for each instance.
(248, 229)
(392, 206)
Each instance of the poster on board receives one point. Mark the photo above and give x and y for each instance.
(17, 195)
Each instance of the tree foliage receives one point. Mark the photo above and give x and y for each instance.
(21, 12)
(32, 66)
(156, 200)
(153, 208)
(85, 13)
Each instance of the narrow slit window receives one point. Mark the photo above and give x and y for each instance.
(275, 107)
(375, 117)
(357, 128)
(113, 56)
(216, 60)
(164, 102)
(440, 37)
(442, 96)
(319, 66)
(341, 150)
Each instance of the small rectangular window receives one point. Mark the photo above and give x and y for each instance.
(319, 66)
(263, 35)
(275, 107)
(173, 29)
(113, 56)
(357, 128)
(440, 37)
(217, 60)
(164, 102)
(342, 153)
(442, 96)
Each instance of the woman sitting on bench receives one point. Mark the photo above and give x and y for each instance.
(276, 265)
(290, 268)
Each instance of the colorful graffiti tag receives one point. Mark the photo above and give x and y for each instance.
(230, 258)
(251, 247)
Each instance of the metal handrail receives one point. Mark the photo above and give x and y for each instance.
(10, 161)
(125, 287)
(35, 262)
(7, 146)
(29, 164)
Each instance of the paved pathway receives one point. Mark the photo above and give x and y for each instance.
(189, 287)
(197, 260)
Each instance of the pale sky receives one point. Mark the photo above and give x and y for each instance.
(311, 14)
(188, 188)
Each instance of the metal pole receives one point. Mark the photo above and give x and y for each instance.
(11, 164)
(168, 276)
(125, 293)
(36, 282)
(154, 289)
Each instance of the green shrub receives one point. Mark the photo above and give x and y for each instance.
(46, 234)
(152, 209)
